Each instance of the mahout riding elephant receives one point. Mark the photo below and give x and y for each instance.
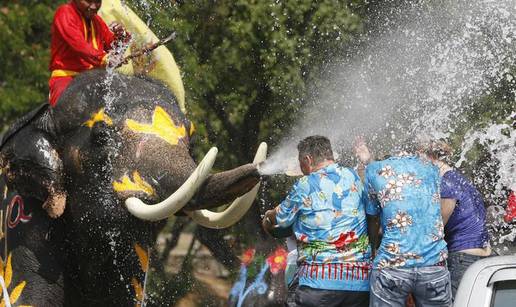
(88, 185)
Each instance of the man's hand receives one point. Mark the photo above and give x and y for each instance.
(116, 60)
(121, 35)
(361, 150)
(269, 221)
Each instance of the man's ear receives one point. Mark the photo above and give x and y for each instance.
(310, 160)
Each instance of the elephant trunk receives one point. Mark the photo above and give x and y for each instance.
(202, 190)
(224, 187)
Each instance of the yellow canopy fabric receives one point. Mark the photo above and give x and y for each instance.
(160, 64)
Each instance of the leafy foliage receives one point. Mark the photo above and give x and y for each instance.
(24, 56)
(247, 63)
(480, 164)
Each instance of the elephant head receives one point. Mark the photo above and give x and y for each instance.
(110, 164)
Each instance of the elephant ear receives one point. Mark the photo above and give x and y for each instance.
(30, 162)
(29, 118)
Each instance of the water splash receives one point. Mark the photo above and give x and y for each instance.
(500, 143)
(277, 165)
(111, 94)
(430, 64)
(417, 75)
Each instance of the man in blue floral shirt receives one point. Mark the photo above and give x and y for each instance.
(404, 192)
(326, 211)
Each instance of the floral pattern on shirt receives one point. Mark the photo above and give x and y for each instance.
(439, 231)
(402, 191)
(401, 221)
(327, 212)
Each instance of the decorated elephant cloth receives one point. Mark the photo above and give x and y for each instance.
(88, 185)
(261, 279)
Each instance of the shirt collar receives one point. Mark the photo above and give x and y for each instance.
(328, 168)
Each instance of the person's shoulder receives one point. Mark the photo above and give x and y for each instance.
(456, 177)
(375, 165)
(428, 168)
(64, 9)
(302, 179)
(455, 174)
(101, 21)
(345, 171)
(302, 184)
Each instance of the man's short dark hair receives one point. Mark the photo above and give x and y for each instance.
(316, 146)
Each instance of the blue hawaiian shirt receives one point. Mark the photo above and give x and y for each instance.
(404, 191)
(327, 211)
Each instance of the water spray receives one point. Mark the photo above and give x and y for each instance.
(147, 49)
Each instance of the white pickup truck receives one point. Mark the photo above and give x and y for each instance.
(490, 282)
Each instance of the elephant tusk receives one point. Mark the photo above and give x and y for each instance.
(237, 209)
(179, 198)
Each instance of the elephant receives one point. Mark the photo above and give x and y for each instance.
(88, 185)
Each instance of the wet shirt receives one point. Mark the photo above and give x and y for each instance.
(326, 209)
(404, 191)
(466, 227)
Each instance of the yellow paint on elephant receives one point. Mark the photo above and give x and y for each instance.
(136, 184)
(15, 294)
(162, 126)
(6, 271)
(142, 256)
(99, 116)
(138, 290)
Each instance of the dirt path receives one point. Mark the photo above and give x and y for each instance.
(208, 291)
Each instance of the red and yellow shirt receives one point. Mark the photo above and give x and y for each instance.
(77, 44)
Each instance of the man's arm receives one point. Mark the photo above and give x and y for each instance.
(363, 154)
(285, 214)
(373, 229)
(447, 207)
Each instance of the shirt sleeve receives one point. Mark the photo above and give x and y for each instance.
(449, 188)
(72, 33)
(370, 195)
(106, 36)
(287, 211)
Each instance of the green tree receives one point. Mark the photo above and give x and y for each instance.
(24, 56)
(247, 64)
